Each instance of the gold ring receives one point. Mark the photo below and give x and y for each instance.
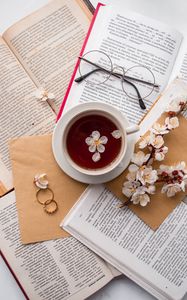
(38, 199)
(50, 207)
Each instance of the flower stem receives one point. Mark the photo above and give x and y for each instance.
(125, 203)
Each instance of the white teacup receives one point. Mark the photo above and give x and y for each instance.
(89, 110)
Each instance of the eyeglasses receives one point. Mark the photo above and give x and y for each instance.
(138, 81)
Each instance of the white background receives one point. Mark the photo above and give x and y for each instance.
(172, 12)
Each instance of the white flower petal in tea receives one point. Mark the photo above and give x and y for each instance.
(96, 156)
(92, 147)
(96, 135)
(103, 139)
(116, 134)
(89, 140)
(100, 148)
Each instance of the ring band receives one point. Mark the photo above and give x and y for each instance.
(50, 207)
(38, 198)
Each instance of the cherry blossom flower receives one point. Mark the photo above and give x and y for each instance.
(140, 158)
(96, 144)
(142, 177)
(137, 193)
(160, 153)
(171, 189)
(156, 141)
(131, 176)
(179, 169)
(146, 175)
(144, 142)
(158, 129)
(181, 166)
(175, 178)
(142, 199)
(172, 123)
(41, 181)
(176, 105)
(129, 188)
(141, 195)
(43, 95)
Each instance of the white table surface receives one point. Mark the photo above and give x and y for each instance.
(173, 12)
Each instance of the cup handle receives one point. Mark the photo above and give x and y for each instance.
(132, 129)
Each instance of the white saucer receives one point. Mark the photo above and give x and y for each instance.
(69, 170)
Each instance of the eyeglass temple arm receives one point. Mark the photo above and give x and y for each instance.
(118, 75)
(82, 77)
(141, 102)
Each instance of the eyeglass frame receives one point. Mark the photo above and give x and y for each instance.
(122, 76)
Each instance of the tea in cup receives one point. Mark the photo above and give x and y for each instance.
(95, 138)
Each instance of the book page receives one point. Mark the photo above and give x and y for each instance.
(180, 67)
(183, 67)
(129, 39)
(21, 113)
(48, 42)
(155, 260)
(57, 269)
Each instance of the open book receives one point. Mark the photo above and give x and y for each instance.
(56, 269)
(129, 39)
(157, 261)
(38, 51)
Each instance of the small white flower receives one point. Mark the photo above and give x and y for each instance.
(141, 199)
(129, 188)
(131, 176)
(172, 123)
(41, 181)
(116, 134)
(144, 142)
(146, 175)
(140, 157)
(151, 189)
(96, 144)
(165, 169)
(159, 129)
(181, 166)
(160, 153)
(156, 141)
(43, 95)
(176, 104)
(171, 189)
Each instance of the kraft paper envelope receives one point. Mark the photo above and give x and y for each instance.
(30, 156)
(160, 206)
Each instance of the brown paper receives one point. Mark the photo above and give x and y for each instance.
(30, 156)
(160, 206)
(3, 189)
